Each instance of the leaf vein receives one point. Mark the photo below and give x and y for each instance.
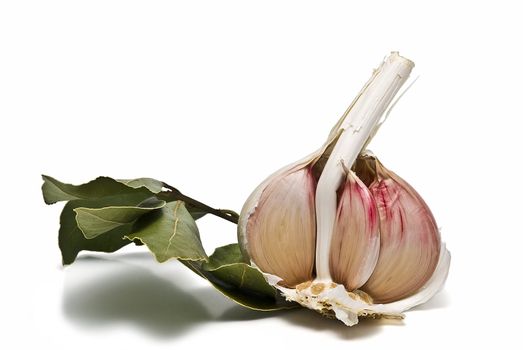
(243, 276)
(176, 219)
(85, 212)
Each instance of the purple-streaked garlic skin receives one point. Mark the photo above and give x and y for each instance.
(356, 242)
(281, 232)
(409, 239)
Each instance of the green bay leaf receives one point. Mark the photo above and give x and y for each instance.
(226, 265)
(72, 241)
(56, 191)
(239, 281)
(152, 185)
(96, 221)
(196, 213)
(170, 233)
(222, 256)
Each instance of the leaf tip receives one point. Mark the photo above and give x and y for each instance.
(46, 179)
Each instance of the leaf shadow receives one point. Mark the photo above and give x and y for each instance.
(240, 313)
(126, 293)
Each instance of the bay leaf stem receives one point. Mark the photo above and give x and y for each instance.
(225, 214)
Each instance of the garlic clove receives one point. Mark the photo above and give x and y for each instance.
(410, 240)
(425, 293)
(355, 243)
(281, 231)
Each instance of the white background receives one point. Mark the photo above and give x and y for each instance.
(212, 96)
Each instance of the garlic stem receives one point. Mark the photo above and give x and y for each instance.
(355, 126)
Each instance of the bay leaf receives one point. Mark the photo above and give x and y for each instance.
(170, 233)
(95, 221)
(56, 191)
(152, 185)
(242, 283)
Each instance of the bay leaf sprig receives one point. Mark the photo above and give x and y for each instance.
(105, 214)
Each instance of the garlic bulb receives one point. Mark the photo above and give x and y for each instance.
(339, 233)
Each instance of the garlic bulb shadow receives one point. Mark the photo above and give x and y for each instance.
(439, 301)
(311, 321)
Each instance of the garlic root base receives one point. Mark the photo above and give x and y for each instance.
(333, 301)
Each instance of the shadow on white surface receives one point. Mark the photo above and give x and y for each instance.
(313, 321)
(316, 322)
(126, 293)
(240, 313)
(103, 292)
(440, 300)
